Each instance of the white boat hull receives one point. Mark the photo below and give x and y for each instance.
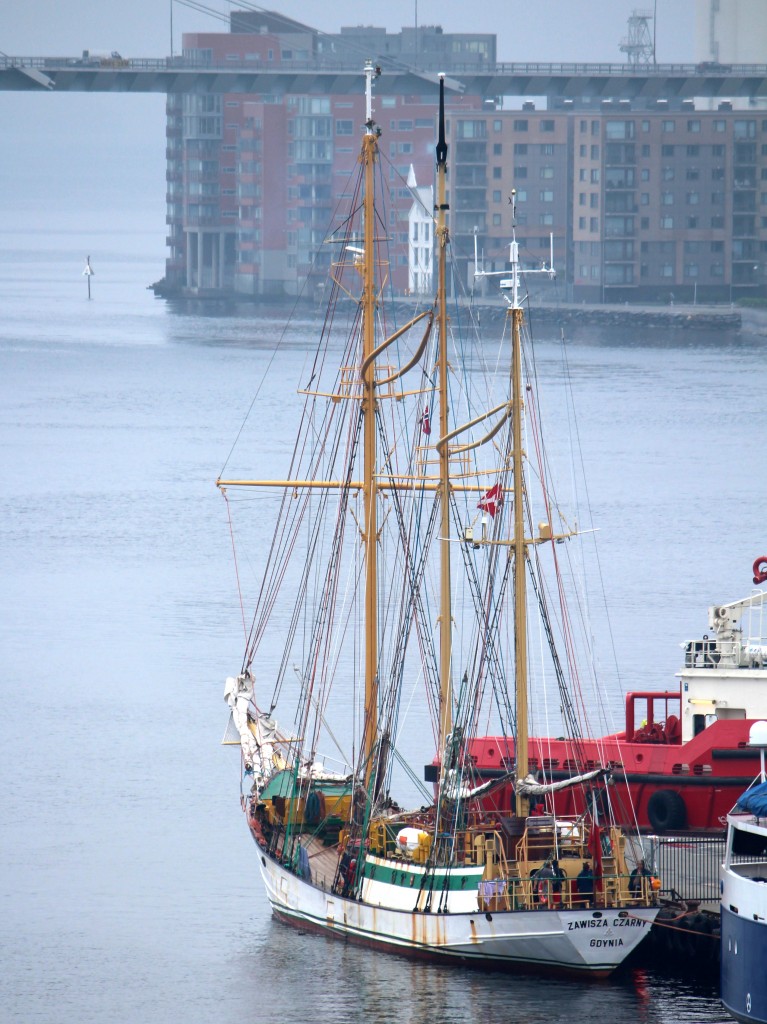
(583, 941)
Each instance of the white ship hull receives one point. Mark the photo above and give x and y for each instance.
(571, 941)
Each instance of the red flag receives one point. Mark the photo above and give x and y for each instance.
(425, 423)
(492, 501)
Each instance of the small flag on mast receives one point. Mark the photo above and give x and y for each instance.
(425, 422)
(492, 500)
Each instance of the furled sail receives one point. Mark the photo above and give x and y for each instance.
(258, 732)
(529, 787)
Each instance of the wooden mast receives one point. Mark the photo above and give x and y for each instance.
(519, 545)
(370, 537)
(445, 613)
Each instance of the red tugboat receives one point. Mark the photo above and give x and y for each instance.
(683, 758)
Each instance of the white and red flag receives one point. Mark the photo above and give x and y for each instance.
(425, 421)
(492, 500)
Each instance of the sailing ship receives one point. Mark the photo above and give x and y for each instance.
(406, 543)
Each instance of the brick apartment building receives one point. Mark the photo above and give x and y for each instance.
(654, 204)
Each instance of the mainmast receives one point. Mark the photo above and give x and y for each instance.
(368, 156)
(445, 632)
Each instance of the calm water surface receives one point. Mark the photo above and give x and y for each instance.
(130, 890)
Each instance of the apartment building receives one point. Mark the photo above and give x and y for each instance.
(663, 203)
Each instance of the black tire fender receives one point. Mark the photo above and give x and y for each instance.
(666, 810)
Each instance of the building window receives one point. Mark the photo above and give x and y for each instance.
(667, 198)
(520, 149)
(667, 223)
(668, 126)
(645, 150)
(720, 127)
(645, 175)
(666, 150)
(547, 149)
(595, 152)
(717, 151)
(547, 172)
(619, 130)
(644, 223)
(496, 220)
(344, 127)
(546, 218)
(497, 125)
(691, 270)
(692, 174)
(496, 172)
(547, 126)
(496, 195)
(667, 173)
(693, 198)
(594, 224)
(644, 199)
(667, 270)
(583, 150)
(520, 172)
(520, 126)
(547, 195)
(497, 149)
(692, 222)
(581, 198)
(744, 129)
(595, 176)
(693, 151)
(693, 126)
(582, 223)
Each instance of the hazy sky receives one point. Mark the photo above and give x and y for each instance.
(103, 156)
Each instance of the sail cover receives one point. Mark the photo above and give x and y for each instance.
(754, 801)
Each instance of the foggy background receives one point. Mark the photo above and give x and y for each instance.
(104, 154)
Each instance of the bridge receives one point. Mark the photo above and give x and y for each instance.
(574, 80)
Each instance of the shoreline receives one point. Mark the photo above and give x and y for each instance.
(747, 320)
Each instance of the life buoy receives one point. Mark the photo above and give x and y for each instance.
(760, 569)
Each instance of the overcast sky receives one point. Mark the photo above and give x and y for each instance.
(103, 156)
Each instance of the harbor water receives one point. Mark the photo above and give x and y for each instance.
(130, 890)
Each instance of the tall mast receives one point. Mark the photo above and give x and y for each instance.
(368, 303)
(519, 545)
(445, 630)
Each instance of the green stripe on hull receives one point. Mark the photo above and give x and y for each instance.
(413, 876)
